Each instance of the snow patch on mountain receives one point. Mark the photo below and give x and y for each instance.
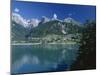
(63, 31)
(68, 20)
(71, 20)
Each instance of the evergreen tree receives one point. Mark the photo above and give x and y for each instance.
(87, 50)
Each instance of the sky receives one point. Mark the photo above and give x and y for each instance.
(36, 10)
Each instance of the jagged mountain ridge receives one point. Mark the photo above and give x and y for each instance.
(34, 22)
(56, 27)
(45, 27)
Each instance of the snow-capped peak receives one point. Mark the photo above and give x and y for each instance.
(54, 17)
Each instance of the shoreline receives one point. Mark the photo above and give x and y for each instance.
(41, 43)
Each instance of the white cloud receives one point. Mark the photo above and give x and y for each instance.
(16, 10)
(24, 22)
(34, 22)
(45, 19)
(19, 19)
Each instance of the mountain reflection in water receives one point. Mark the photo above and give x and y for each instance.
(43, 58)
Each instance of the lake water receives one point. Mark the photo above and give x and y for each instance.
(43, 58)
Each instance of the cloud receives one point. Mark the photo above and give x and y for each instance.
(34, 22)
(24, 22)
(19, 19)
(16, 10)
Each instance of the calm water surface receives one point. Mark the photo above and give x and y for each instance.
(43, 58)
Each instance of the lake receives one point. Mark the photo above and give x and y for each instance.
(43, 58)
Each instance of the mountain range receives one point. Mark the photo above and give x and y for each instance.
(22, 28)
